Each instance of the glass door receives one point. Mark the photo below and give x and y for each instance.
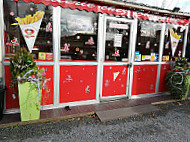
(117, 56)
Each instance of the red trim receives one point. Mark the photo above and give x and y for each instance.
(43, 60)
(116, 61)
(77, 61)
(109, 10)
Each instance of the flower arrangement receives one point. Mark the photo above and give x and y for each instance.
(177, 78)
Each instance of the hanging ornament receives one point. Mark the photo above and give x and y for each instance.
(14, 42)
(28, 61)
(31, 9)
(12, 13)
(167, 45)
(147, 45)
(116, 53)
(90, 41)
(49, 27)
(179, 54)
(166, 32)
(66, 47)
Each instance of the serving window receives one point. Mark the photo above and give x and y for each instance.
(148, 41)
(78, 35)
(42, 49)
(173, 42)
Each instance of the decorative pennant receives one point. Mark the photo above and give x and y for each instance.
(30, 26)
(174, 41)
(115, 75)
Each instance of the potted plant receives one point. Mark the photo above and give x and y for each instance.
(178, 78)
(30, 81)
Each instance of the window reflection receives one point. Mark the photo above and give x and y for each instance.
(173, 50)
(43, 48)
(117, 40)
(148, 41)
(78, 35)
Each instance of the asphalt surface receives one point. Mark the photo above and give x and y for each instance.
(171, 124)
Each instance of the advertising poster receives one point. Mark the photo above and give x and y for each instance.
(174, 37)
(30, 26)
(118, 40)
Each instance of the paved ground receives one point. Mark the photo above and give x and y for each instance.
(171, 124)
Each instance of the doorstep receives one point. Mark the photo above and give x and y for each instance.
(11, 120)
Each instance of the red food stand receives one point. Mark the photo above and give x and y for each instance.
(93, 52)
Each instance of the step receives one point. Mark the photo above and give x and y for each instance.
(125, 112)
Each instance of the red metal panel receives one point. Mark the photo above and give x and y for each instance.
(144, 79)
(11, 98)
(162, 85)
(77, 83)
(114, 80)
(47, 97)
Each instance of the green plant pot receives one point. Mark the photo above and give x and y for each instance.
(28, 96)
(188, 83)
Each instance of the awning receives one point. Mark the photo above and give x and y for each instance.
(109, 10)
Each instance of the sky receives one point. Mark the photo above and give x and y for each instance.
(184, 5)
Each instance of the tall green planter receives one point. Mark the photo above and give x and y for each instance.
(188, 83)
(28, 96)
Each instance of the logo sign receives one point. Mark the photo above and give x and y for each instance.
(29, 32)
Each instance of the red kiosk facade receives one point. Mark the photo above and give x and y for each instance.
(93, 52)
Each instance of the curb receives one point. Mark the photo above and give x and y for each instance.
(169, 101)
(45, 120)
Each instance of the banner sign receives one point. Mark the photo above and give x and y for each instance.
(30, 26)
(174, 40)
(109, 10)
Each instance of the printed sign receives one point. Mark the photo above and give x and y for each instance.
(174, 40)
(118, 40)
(30, 26)
(119, 26)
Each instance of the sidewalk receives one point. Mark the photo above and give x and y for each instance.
(77, 111)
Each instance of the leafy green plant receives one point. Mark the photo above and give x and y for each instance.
(24, 69)
(177, 78)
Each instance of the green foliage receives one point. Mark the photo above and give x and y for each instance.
(24, 69)
(177, 78)
(21, 63)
